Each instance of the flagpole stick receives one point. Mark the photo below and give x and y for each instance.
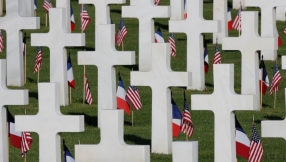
(25, 50)
(25, 157)
(7, 134)
(35, 13)
(38, 75)
(261, 89)
(132, 117)
(70, 95)
(46, 19)
(274, 99)
(122, 45)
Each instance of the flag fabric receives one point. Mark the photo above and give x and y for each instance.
(35, 4)
(26, 142)
(38, 62)
(88, 97)
(122, 32)
(285, 30)
(67, 155)
(275, 80)
(172, 42)
(217, 58)
(185, 10)
(134, 97)
(47, 5)
(121, 97)
(242, 142)
(159, 36)
(1, 41)
(237, 21)
(157, 2)
(279, 39)
(84, 18)
(187, 123)
(206, 57)
(70, 76)
(176, 119)
(72, 18)
(229, 19)
(263, 78)
(24, 45)
(115, 37)
(15, 137)
(256, 150)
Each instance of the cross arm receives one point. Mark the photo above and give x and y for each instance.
(182, 79)
(152, 12)
(75, 39)
(141, 78)
(32, 23)
(106, 1)
(177, 26)
(273, 128)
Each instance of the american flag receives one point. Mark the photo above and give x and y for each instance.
(275, 80)
(134, 97)
(47, 5)
(88, 97)
(217, 58)
(237, 21)
(84, 18)
(122, 32)
(256, 150)
(187, 123)
(285, 30)
(25, 143)
(38, 62)
(172, 42)
(157, 2)
(1, 41)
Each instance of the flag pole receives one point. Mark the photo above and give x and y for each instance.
(274, 99)
(38, 75)
(25, 66)
(70, 95)
(7, 134)
(35, 13)
(25, 155)
(261, 85)
(46, 19)
(240, 20)
(122, 45)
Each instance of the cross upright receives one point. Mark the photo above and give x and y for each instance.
(8, 97)
(223, 101)
(268, 21)
(177, 9)
(160, 78)
(67, 5)
(49, 122)
(105, 58)
(112, 146)
(13, 23)
(220, 13)
(248, 43)
(145, 11)
(193, 26)
(57, 39)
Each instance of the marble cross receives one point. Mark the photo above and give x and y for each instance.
(49, 122)
(220, 13)
(160, 78)
(237, 3)
(193, 26)
(112, 146)
(268, 21)
(12, 23)
(223, 101)
(66, 5)
(185, 151)
(280, 13)
(26, 8)
(177, 9)
(8, 97)
(145, 11)
(56, 40)
(249, 59)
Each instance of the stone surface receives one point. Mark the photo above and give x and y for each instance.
(12, 23)
(185, 151)
(58, 54)
(66, 5)
(249, 58)
(112, 146)
(145, 11)
(160, 78)
(281, 13)
(220, 14)
(237, 3)
(105, 58)
(273, 128)
(193, 26)
(177, 9)
(8, 97)
(223, 101)
(48, 122)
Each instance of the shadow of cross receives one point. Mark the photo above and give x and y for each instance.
(105, 58)
(223, 102)
(145, 11)
(160, 78)
(8, 97)
(268, 22)
(57, 39)
(220, 14)
(12, 23)
(193, 26)
(49, 122)
(248, 43)
(112, 146)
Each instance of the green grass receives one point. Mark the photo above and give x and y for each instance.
(140, 134)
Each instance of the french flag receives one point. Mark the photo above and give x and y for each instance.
(185, 10)
(176, 119)
(279, 39)
(206, 57)
(67, 155)
(15, 137)
(121, 97)
(72, 18)
(241, 140)
(263, 77)
(35, 4)
(159, 36)
(70, 73)
(229, 19)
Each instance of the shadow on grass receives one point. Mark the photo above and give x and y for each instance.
(31, 80)
(82, 48)
(272, 117)
(209, 85)
(89, 120)
(162, 26)
(130, 67)
(33, 94)
(116, 11)
(137, 140)
(265, 105)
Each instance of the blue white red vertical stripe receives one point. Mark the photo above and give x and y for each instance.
(242, 142)
(70, 76)
(185, 10)
(275, 80)
(67, 155)
(263, 77)
(172, 42)
(159, 36)
(206, 56)
(122, 32)
(121, 97)
(229, 19)
(15, 136)
(176, 119)
(35, 4)
(72, 18)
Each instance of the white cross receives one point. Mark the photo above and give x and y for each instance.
(268, 21)
(8, 97)
(26, 8)
(49, 122)
(193, 26)
(66, 5)
(177, 9)
(105, 58)
(145, 11)
(220, 13)
(237, 3)
(280, 13)
(248, 43)
(12, 23)
(185, 151)
(223, 101)
(56, 40)
(160, 78)
(112, 146)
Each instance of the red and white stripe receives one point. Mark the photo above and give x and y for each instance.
(47, 5)
(1, 41)
(285, 30)
(25, 143)
(237, 21)
(172, 45)
(84, 18)
(88, 97)
(157, 2)
(38, 62)
(134, 97)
